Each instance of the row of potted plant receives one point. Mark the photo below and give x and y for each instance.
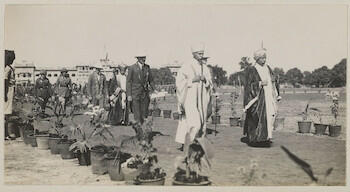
(77, 141)
(320, 128)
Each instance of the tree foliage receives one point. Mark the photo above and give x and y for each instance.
(294, 76)
(162, 76)
(218, 75)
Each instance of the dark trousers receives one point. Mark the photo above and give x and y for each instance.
(42, 102)
(140, 108)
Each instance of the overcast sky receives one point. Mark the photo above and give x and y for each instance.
(303, 36)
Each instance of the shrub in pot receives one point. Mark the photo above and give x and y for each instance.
(167, 113)
(114, 162)
(198, 155)
(155, 109)
(320, 128)
(305, 124)
(234, 119)
(216, 117)
(99, 129)
(82, 151)
(334, 129)
(143, 166)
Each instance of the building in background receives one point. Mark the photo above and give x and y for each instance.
(24, 71)
(27, 73)
(174, 67)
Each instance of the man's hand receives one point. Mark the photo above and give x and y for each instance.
(262, 83)
(279, 98)
(90, 98)
(129, 98)
(52, 98)
(203, 79)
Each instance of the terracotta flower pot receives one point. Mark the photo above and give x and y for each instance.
(180, 179)
(53, 145)
(84, 158)
(158, 181)
(234, 121)
(114, 170)
(334, 130)
(167, 113)
(64, 149)
(26, 139)
(98, 163)
(130, 174)
(320, 129)
(42, 141)
(176, 115)
(156, 113)
(32, 140)
(304, 126)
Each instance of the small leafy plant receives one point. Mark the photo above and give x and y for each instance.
(251, 176)
(335, 110)
(145, 159)
(234, 97)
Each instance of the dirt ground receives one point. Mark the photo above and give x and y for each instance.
(233, 160)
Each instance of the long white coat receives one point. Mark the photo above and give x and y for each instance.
(191, 101)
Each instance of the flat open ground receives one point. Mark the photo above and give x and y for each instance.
(27, 165)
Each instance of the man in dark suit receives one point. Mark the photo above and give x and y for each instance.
(139, 85)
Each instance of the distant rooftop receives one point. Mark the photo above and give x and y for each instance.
(174, 64)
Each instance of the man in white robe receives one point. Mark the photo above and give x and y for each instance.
(193, 89)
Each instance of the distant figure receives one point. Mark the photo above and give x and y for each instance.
(139, 85)
(194, 87)
(97, 87)
(43, 91)
(63, 88)
(10, 83)
(121, 79)
(260, 95)
(115, 112)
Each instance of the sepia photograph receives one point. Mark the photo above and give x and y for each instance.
(175, 94)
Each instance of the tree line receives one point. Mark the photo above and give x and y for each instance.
(320, 77)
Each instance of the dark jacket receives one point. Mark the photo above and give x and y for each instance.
(63, 86)
(139, 82)
(112, 85)
(43, 88)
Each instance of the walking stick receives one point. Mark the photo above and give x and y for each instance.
(216, 105)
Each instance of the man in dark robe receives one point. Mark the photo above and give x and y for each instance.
(261, 91)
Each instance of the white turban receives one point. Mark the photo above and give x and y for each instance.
(197, 48)
(259, 53)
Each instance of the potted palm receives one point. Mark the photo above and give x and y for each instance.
(98, 118)
(305, 124)
(334, 128)
(234, 120)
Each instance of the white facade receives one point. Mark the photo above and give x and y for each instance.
(27, 73)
